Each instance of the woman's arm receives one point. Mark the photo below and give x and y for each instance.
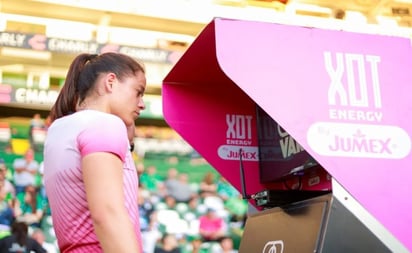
(103, 178)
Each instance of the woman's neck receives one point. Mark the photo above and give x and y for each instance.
(92, 105)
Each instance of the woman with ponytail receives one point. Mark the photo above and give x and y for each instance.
(89, 174)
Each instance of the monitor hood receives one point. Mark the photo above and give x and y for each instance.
(343, 96)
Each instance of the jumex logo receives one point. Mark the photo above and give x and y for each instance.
(356, 112)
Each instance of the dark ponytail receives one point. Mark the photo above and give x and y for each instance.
(66, 102)
(82, 75)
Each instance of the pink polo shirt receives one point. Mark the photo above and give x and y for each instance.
(68, 140)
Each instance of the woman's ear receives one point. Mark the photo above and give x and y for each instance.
(109, 80)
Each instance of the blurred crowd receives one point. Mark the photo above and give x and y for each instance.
(177, 213)
(23, 199)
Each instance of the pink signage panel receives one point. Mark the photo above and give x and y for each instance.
(343, 96)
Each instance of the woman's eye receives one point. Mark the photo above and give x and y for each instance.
(140, 94)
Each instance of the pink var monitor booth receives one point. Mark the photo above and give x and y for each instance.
(310, 125)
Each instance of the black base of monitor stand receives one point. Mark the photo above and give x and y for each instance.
(275, 198)
(321, 224)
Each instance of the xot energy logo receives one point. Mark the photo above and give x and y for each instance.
(355, 107)
(238, 139)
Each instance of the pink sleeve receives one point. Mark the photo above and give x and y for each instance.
(106, 135)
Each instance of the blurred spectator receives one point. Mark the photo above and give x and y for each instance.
(225, 190)
(25, 170)
(145, 211)
(40, 182)
(173, 160)
(8, 187)
(170, 202)
(39, 236)
(150, 179)
(41, 190)
(20, 241)
(140, 169)
(180, 188)
(35, 123)
(194, 210)
(237, 208)
(208, 185)
(225, 246)
(47, 122)
(151, 235)
(168, 244)
(196, 246)
(211, 226)
(29, 207)
(170, 180)
(6, 212)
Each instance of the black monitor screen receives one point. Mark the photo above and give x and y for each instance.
(279, 154)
